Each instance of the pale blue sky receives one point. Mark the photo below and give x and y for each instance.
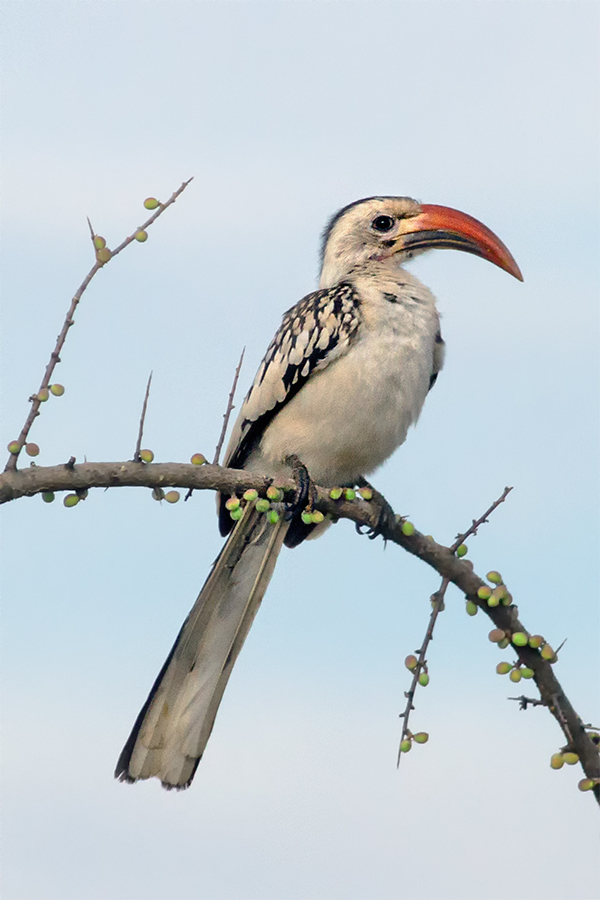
(285, 112)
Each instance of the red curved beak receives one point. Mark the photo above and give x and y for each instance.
(441, 226)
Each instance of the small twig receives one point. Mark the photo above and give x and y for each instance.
(226, 416)
(461, 538)
(524, 702)
(55, 355)
(162, 207)
(228, 411)
(438, 601)
(138, 446)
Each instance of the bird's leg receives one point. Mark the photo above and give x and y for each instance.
(305, 489)
(386, 517)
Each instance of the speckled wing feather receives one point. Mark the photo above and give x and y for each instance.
(317, 330)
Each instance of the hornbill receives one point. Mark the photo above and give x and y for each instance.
(344, 377)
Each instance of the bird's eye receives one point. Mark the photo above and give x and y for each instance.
(382, 223)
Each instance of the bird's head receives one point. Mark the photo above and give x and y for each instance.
(393, 229)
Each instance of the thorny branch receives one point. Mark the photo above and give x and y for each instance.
(60, 341)
(461, 538)
(437, 601)
(26, 482)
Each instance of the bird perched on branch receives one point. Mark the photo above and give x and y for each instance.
(342, 381)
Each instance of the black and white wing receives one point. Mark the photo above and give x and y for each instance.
(313, 333)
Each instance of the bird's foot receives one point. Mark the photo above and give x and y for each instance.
(300, 510)
(386, 518)
(306, 491)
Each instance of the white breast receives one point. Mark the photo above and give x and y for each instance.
(349, 418)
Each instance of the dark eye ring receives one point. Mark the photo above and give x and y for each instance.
(382, 223)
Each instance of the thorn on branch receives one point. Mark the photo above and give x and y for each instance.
(228, 411)
(138, 446)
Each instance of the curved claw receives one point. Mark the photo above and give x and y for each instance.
(386, 516)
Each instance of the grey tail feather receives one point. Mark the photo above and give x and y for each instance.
(173, 727)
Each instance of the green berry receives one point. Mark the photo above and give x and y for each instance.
(421, 737)
(472, 608)
(232, 503)
(262, 505)
(151, 203)
(146, 456)
(103, 255)
(71, 500)
(306, 517)
(366, 493)
(250, 495)
(408, 529)
(484, 592)
(141, 236)
(462, 550)
(274, 494)
(507, 599)
(411, 662)
(43, 394)
(535, 641)
(493, 601)
(350, 494)
(236, 514)
(423, 679)
(198, 459)
(500, 591)
(494, 577)
(335, 493)
(317, 517)
(526, 672)
(14, 447)
(586, 784)
(57, 389)
(405, 746)
(503, 668)
(48, 496)
(172, 496)
(32, 449)
(557, 761)
(515, 675)
(520, 639)
(496, 635)
(548, 653)
(99, 242)
(503, 644)
(273, 516)
(571, 759)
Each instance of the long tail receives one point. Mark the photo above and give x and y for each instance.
(171, 731)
